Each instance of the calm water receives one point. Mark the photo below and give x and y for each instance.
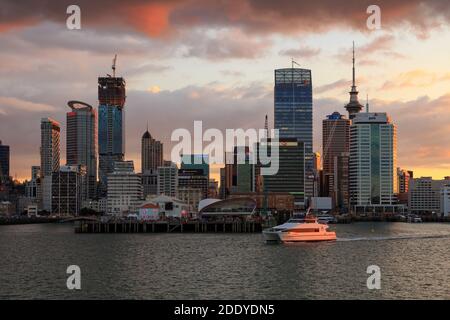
(414, 261)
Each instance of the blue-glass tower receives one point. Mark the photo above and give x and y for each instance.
(111, 126)
(294, 114)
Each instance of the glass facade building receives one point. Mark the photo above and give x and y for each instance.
(81, 143)
(291, 168)
(4, 162)
(111, 126)
(294, 114)
(373, 161)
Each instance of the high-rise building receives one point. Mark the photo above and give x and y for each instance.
(353, 107)
(213, 189)
(50, 157)
(291, 167)
(195, 161)
(341, 195)
(32, 188)
(403, 177)
(335, 141)
(50, 152)
(193, 178)
(81, 143)
(294, 115)
(111, 125)
(239, 171)
(150, 182)
(4, 162)
(67, 190)
(151, 153)
(124, 189)
(424, 195)
(168, 180)
(373, 163)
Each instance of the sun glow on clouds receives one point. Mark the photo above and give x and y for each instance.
(154, 89)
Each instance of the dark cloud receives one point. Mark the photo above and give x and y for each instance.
(162, 18)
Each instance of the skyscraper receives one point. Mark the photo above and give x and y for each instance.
(294, 114)
(4, 162)
(111, 121)
(373, 163)
(353, 107)
(151, 153)
(81, 143)
(50, 153)
(168, 180)
(291, 166)
(335, 141)
(67, 189)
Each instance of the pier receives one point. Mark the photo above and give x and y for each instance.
(85, 226)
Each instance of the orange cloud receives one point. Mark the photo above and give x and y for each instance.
(152, 19)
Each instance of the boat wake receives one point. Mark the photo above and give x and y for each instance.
(399, 237)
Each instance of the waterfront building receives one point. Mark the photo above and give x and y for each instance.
(239, 171)
(151, 153)
(270, 202)
(81, 143)
(191, 196)
(111, 122)
(231, 207)
(162, 207)
(373, 163)
(294, 116)
(4, 162)
(424, 196)
(290, 177)
(445, 200)
(335, 141)
(124, 194)
(168, 180)
(67, 190)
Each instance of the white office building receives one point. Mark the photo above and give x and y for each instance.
(124, 194)
(425, 195)
(373, 164)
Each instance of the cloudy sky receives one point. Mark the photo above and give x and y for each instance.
(186, 60)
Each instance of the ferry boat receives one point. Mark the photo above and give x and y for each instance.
(300, 230)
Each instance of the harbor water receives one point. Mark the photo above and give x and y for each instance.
(414, 261)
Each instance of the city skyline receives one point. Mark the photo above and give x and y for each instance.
(393, 67)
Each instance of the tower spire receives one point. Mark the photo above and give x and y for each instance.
(353, 83)
(266, 127)
(353, 107)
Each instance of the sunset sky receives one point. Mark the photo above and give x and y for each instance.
(186, 60)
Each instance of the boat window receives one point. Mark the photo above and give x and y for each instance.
(304, 230)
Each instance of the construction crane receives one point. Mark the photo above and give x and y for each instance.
(114, 65)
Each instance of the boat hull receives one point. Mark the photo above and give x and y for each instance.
(295, 237)
(271, 236)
